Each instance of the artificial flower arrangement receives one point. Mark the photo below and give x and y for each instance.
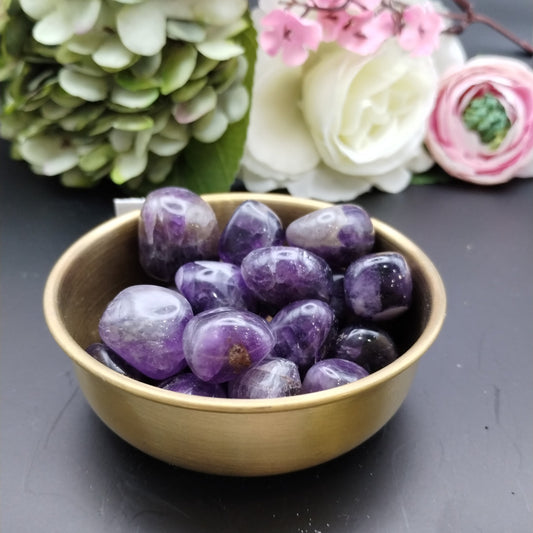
(326, 99)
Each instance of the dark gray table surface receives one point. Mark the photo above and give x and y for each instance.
(457, 457)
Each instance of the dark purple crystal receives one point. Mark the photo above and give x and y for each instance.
(339, 233)
(112, 360)
(253, 225)
(337, 301)
(175, 226)
(330, 373)
(302, 330)
(378, 286)
(144, 325)
(222, 343)
(272, 377)
(279, 275)
(188, 383)
(211, 284)
(370, 348)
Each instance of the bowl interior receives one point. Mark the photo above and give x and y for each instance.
(100, 266)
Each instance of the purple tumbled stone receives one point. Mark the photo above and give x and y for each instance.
(339, 234)
(144, 325)
(220, 344)
(378, 286)
(303, 332)
(337, 301)
(175, 226)
(253, 225)
(279, 275)
(112, 360)
(210, 284)
(330, 373)
(272, 377)
(188, 383)
(370, 348)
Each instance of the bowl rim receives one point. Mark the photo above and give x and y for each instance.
(152, 393)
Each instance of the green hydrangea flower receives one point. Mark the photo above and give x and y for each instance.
(145, 92)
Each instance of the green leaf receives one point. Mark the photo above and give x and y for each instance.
(433, 177)
(128, 165)
(164, 146)
(15, 34)
(82, 117)
(128, 81)
(133, 123)
(220, 50)
(206, 168)
(62, 98)
(34, 128)
(136, 100)
(75, 178)
(83, 86)
(224, 74)
(184, 30)
(191, 110)
(204, 66)
(189, 90)
(96, 158)
(210, 127)
(52, 111)
(147, 66)
(121, 122)
(112, 54)
(177, 66)
(158, 167)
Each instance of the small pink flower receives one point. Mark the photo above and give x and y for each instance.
(498, 144)
(290, 34)
(366, 32)
(332, 23)
(421, 30)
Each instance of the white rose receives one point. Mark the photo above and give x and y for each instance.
(342, 123)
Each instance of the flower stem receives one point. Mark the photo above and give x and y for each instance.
(469, 16)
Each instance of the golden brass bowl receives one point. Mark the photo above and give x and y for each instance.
(227, 436)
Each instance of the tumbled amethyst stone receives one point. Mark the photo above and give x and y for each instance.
(210, 284)
(272, 377)
(330, 373)
(175, 226)
(339, 233)
(188, 383)
(144, 325)
(337, 301)
(221, 343)
(378, 286)
(253, 225)
(372, 349)
(303, 330)
(112, 360)
(279, 275)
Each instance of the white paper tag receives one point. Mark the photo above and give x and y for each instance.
(125, 205)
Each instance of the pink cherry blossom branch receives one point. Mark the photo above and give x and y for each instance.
(463, 20)
(469, 16)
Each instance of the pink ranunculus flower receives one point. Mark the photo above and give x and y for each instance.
(481, 128)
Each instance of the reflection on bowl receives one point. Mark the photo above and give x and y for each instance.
(227, 436)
